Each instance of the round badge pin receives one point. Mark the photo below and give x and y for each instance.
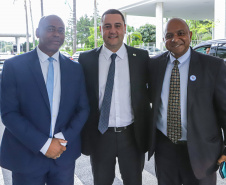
(193, 78)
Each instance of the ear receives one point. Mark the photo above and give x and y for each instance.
(37, 33)
(100, 28)
(190, 35)
(125, 28)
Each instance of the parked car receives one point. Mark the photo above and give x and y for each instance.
(76, 55)
(217, 48)
(152, 51)
(66, 54)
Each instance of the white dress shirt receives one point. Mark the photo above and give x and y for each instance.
(162, 116)
(121, 113)
(43, 58)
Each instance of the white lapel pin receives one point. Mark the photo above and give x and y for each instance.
(193, 78)
(134, 54)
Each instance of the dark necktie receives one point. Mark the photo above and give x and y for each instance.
(174, 108)
(49, 86)
(106, 104)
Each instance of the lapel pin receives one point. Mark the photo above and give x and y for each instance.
(193, 78)
(134, 54)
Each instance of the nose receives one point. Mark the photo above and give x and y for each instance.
(56, 33)
(113, 29)
(175, 38)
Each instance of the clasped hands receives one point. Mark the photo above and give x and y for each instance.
(56, 148)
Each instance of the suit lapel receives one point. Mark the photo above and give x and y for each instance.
(193, 78)
(63, 83)
(95, 68)
(35, 67)
(161, 70)
(132, 68)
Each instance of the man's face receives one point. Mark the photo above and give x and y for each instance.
(51, 34)
(177, 37)
(113, 30)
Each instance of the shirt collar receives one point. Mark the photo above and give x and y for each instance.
(120, 53)
(44, 57)
(183, 58)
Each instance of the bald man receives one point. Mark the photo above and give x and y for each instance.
(43, 107)
(187, 92)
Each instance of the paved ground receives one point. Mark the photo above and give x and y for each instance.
(83, 174)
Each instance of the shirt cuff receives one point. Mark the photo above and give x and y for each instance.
(46, 146)
(60, 136)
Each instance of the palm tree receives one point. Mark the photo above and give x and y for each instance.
(42, 12)
(95, 23)
(27, 32)
(32, 25)
(74, 26)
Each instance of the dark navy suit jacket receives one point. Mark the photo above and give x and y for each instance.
(138, 68)
(25, 112)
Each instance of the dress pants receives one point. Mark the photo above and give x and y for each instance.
(123, 146)
(173, 164)
(49, 174)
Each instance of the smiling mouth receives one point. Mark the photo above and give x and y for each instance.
(56, 42)
(113, 37)
(178, 45)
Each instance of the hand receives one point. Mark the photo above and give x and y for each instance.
(221, 159)
(55, 149)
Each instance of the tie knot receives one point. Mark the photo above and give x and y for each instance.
(113, 56)
(50, 59)
(176, 62)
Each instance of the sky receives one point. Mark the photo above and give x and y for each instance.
(12, 14)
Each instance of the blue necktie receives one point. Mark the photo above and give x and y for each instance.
(106, 104)
(49, 86)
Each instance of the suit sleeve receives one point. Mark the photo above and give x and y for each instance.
(18, 125)
(80, 115)
(220, 97)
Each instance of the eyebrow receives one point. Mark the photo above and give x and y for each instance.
(55, 27)
(176, 31)
(114, 23)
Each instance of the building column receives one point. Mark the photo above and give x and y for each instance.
(125, 36)
(159, 25)
(18, 44)
(219, 19)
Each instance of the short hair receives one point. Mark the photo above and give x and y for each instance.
(43, 19)
(112, 11)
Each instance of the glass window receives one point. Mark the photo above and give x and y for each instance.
(201, 49)
(221, 50)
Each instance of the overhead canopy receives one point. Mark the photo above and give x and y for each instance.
(12, 35)
(186, 9)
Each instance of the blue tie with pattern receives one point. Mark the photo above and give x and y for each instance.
(106, 104)
(49, 86)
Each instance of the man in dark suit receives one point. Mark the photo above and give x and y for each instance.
(188, 96)
(126, 126)
(44, 107)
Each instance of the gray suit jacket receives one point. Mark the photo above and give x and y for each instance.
(206, 108)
